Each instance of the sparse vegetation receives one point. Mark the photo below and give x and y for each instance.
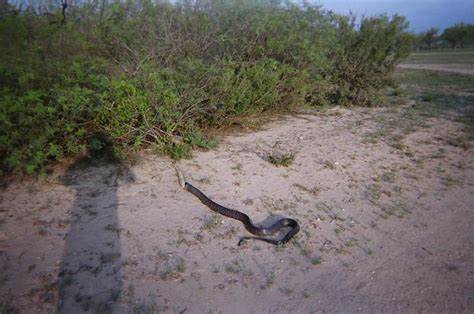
(460, 141)
(373, 191)
(173, 269)
(269, 280)
(313, 191)
(210, 222)
(441, 94)
(237, 167)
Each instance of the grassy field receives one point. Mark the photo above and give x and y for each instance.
(434, 81)
(424, 84)
(445, 57)
(441, 94)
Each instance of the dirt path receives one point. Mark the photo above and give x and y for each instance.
(455, 68)
(383, 202)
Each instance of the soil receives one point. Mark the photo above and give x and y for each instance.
(385, 209)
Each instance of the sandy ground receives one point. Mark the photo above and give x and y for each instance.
(386, 221)
(455, 68)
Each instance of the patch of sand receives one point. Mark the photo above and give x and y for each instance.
(384, 228)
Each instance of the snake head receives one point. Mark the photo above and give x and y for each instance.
(181, 180)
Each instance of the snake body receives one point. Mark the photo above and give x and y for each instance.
(235, 214)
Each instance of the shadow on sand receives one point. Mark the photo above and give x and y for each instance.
(90, 276)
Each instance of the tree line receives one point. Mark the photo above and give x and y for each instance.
(457, 36)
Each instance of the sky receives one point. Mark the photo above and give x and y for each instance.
(422, 14)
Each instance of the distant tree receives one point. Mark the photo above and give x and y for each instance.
(429, 38)
(459, 35)
(5, 7)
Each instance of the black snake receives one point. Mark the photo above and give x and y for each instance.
(232, 213)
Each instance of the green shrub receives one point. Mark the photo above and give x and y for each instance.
(117, 77)
(365, 58)
(197, 139)
(177, 151)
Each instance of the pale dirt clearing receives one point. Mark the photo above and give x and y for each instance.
(384, 204)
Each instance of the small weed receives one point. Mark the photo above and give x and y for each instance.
(199, 238)
(42, 232)
(396, 141)
(233, 268)
(48, 290)
(350, 242)
(451, 267)
(112, 228)
(109, 258)
(409, 153)
(180, 267)
(448, 181)
(103, 307)
(248, 201)
(269, 280)
(371, 139)
(426, 97)
(173, 270)
(149, 307)
(85, 301)
(440, 153)
(116, 294)
(210, 222)
(197, 139)
(329, 164)
(204, 180)
(305, 251)
(8, 308)
(459, 141)
(66, 281)
(373, 191)
(313, 191)
(285, 290)
(389, 177)
(283, 159)
(316, 260)
(177, 151)
(237, 167)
